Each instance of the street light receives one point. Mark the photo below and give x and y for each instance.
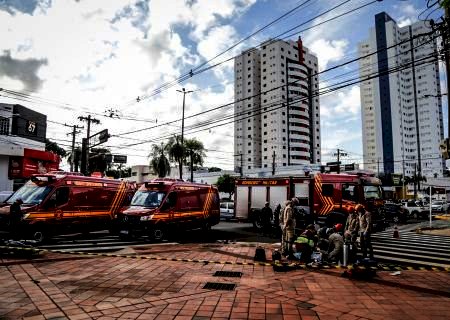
(183, 90)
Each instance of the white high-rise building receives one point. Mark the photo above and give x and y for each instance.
(401, 109)
(277, 124)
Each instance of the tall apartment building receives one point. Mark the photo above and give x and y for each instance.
(276, 123)
(401, 111)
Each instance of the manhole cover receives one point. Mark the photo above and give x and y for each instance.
(228, 274)
(219, 286)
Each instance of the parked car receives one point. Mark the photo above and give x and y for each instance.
(227, 210)
(415, 209)
(4, 195)
(439, 206)
(394, 212)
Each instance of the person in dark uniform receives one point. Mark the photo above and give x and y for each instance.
(266, 219)
(15, 215)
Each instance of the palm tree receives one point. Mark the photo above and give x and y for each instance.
(196, 151)
(176, 152)
(159, 162)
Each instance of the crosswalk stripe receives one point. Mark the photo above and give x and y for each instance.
(411, 247)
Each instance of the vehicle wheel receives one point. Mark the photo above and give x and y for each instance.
(159, 233)
(206, 227)
(334, 218)
(39, 236)
(396, 219)
(257, 223)
(415, 215)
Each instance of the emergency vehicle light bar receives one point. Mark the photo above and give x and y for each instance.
(41, 179)
(154, 184)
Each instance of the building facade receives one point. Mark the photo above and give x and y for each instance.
(401, 106)
(22, 145)
(276, 106)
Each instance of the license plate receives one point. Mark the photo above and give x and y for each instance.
(124, 231)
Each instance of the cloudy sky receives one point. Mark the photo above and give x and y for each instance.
(122, 61)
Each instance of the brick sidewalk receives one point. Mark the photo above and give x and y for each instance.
(70, 287)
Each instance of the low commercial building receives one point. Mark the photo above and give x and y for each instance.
(22, 146)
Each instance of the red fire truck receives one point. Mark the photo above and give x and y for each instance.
(164, 205)
(327, 198)
(58, 203)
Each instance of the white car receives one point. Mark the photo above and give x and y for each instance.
(439, 206)
(415, 209)
(5, 195)
(227, 210)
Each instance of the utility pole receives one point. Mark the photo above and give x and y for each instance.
(273, 162)
(88, 119)
(184, 92)
(339, 154)
(415, 179)
(339, 163)
(378, 167)
(446, 40)
(74, 133)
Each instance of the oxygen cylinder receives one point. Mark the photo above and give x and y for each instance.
(346, 253)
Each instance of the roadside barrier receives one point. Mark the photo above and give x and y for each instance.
(278, 266)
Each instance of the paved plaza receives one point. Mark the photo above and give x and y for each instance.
(62, 286)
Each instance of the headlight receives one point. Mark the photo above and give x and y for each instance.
(146, 218)
(25, 215)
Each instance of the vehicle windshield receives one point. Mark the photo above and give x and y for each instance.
(372, 192)
(150, 199)
(30, 193)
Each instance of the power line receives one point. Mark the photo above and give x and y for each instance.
(329, 90)
(191, 73)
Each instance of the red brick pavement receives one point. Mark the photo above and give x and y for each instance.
(126, 288)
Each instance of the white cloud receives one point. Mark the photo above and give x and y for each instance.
(328, 50)
(102, 54)
(341, 105)
(406, 14)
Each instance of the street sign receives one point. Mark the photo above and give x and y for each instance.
(98, 138)
(119, 159)
(349, 167)
(396, 178)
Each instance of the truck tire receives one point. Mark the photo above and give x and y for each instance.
(159, 232)
(39, 235)
(334, 218)
(415, 215)
(255, 218)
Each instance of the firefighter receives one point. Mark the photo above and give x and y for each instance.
(266, 219)
(304, 245)
(289, 227)
(276, 220)
(365, 229)
(351, 227)
(336, 244)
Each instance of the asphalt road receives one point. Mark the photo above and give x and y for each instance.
(226, 230)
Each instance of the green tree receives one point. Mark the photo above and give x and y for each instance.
(117, 171)
(176, 152)
(159, 161)
(53, 147)
(195, 152)
(225, 184)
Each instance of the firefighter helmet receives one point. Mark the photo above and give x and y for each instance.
(338, 227)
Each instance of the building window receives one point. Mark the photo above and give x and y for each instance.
(4, 126)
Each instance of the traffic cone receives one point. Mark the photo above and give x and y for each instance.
(396, 233)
